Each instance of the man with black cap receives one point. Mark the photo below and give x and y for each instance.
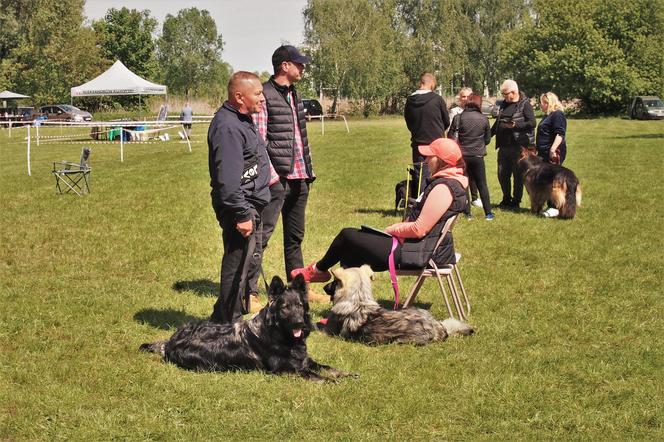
(283, 126)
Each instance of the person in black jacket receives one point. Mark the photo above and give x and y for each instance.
(514, 128)
(427, 119)
(474, 134)
(283, 126)
(239, 176)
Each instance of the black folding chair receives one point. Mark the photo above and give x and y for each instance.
(73, 177)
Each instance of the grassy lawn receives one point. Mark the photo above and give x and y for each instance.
(569, 341)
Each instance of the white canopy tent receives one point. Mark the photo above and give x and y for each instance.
(118, 80)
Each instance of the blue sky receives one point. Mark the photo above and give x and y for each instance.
(252, 30)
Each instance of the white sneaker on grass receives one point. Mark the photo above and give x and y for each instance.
(477, 203)
(551, 212)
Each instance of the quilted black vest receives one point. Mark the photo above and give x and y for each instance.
(281, 129)
(415, 253)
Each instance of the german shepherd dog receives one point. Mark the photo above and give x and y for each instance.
(273, 341)
(356, 316)
(400, 196)
(545, 181)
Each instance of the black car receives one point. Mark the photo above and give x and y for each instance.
(312, 108)
(647, 108)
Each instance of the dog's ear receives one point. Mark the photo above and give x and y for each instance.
(366, 269)
(339, 273)
(276, 288)
(299, 284)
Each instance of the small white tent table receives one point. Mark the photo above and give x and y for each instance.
(118, 80)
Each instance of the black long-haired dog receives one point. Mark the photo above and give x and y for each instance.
(273, 341)
(545, 181)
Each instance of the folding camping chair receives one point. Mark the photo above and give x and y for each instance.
(73, 177)
(449, 271)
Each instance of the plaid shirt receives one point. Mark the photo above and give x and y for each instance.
(299, 168)
(260, 121)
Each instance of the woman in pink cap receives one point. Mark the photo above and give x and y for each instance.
(443, 197)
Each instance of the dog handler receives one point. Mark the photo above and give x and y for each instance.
(239, 176)
(443, 197)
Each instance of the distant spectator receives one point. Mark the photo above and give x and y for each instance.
(474, 135)
(186, 116)
(427, 120)
(453, 133)
(513, 129)
(551, 132)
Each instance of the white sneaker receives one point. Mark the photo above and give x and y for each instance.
(551, 212)
(477, 203)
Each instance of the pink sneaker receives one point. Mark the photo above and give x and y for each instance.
(311, 274)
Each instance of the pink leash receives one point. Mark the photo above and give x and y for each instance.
(393, 272)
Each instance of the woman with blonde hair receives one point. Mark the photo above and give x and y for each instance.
(551, 131)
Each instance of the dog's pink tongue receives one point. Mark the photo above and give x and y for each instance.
(297, 332)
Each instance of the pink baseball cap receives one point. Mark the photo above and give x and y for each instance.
(443, 148)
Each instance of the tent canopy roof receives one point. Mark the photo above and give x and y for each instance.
(118, 80)
(8, 95)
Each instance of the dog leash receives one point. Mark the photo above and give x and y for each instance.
(393, 272)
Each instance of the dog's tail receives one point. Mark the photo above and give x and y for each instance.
(566, 194)
(455, 327)
(153, 347)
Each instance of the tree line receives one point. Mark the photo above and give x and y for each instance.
(46, 48)
(599, 51)
(370, 51)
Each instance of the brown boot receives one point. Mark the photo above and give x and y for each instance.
(313, 296)
(255, 304)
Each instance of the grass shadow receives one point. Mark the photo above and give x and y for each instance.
(637, 136)
(382, 212)
(167, 319)
(201, 287)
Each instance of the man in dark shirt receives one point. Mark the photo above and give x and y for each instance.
(427, 119)
(239, 176)
(514, 128)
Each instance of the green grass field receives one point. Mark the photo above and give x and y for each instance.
(569, 341)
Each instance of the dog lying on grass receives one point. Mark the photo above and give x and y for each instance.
(273, 341)
(545, 181)
(356, 316)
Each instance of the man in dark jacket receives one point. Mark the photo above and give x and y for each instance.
(283, 126)
(514, 128)
(239, 176)
(427, 120)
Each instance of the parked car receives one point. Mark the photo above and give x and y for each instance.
(496, 108)
(64, 112)
(647, 108)
(312, 108)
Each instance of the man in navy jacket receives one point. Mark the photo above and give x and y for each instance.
(239, 176)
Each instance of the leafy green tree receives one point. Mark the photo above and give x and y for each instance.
(126, 35)
(53, 51)
(355, 50)
(189, 53)
(602, 51)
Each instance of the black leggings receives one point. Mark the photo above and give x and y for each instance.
(477, 174)
(354, 247)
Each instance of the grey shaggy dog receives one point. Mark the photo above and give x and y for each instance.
(356, 316)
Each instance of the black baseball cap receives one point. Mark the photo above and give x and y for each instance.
(288, 53)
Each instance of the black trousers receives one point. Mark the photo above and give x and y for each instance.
(238, 251)
(508, 170)
(477, 174)
(291, 201)
(354, 247)
(270, 216)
